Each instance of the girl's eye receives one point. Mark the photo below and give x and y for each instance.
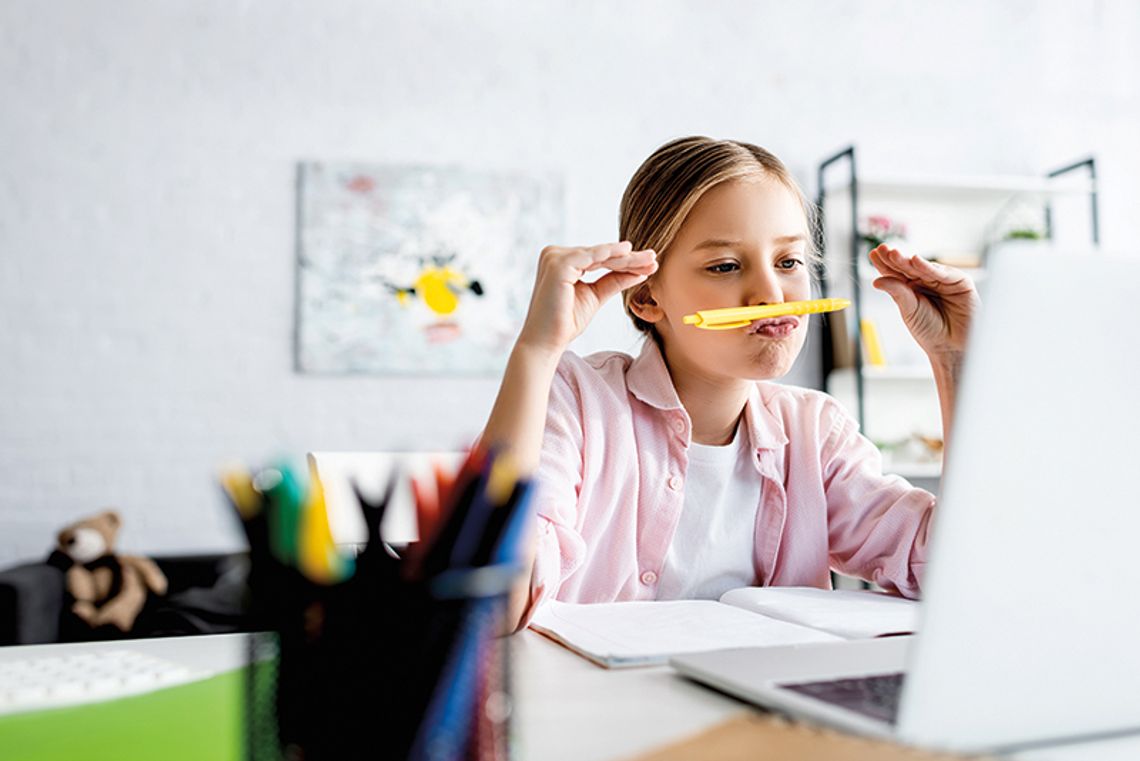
(789, 264)
(723, 268)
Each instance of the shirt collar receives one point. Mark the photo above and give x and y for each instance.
(648, 380)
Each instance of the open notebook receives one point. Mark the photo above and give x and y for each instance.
(647, 633)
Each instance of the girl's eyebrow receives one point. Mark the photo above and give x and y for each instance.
(725, 243)
(718, 243)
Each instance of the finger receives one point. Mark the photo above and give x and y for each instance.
(583, 256)
(607, 286)
(900, 292)
(918, 269)
(886, 262)
(623, 246)
(939, 275)
(632, 261)
(877, 257)
(888, 265)
(643, 272)
(585, 260)
(614, 245)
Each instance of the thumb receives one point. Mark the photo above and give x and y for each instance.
(899, 292)
(615, 282)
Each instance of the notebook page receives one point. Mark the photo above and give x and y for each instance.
(644, 633)
(852, 614)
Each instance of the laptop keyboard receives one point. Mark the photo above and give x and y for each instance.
(873, 696)
(39, 682)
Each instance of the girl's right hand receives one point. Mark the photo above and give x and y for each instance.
(561, 305)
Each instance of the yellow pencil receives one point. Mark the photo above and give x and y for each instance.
(740, 317)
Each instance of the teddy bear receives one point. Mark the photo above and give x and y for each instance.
(107, 588)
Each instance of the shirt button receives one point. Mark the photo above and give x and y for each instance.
(679, 425)
(649, 577)
(675, 483)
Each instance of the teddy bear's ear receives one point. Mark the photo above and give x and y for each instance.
(112, 518)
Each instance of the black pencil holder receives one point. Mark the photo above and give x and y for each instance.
(378, 667)
(381, 657)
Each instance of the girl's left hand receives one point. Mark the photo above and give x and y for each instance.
(937, 302)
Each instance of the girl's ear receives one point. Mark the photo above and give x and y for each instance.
(642, 304)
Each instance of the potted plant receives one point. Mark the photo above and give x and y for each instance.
(877, 229)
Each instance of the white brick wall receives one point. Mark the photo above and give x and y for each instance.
(147, 158)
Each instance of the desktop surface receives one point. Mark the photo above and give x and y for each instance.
(568, 708)
(565, 708)
(556, 696)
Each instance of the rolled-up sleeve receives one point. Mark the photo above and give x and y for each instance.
(878, 524)
(559, 547)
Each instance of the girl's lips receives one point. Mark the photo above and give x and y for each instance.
(775, 327)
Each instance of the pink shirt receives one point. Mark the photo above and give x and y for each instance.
(612, 477)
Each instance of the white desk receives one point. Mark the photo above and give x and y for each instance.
(568, 708)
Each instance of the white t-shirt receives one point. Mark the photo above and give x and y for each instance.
(712, 550)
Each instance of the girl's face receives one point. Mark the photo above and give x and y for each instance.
(743, 244)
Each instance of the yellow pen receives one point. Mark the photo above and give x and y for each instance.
(740, 317)
(317, 554)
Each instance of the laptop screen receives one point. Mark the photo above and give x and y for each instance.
(1029, 586)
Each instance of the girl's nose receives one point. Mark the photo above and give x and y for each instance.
(763, 288)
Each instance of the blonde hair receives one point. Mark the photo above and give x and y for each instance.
(669, 183)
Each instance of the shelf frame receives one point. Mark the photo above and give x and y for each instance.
(1094, 210)
(848, 155)
(852, 186)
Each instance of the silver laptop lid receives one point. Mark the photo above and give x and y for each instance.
(1032, 616)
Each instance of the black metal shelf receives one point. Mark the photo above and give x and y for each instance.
(852, 187)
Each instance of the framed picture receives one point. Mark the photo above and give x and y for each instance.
(416, 270)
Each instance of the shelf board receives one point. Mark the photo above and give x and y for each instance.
(904, 185)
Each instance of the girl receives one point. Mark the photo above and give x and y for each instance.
(681, 473)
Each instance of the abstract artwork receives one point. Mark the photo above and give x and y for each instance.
(407, 270)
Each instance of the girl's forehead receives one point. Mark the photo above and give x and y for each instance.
(749, 209)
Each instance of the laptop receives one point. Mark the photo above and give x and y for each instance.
(371, 472)
(1030, 617)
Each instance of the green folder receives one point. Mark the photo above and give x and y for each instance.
(198, 721)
